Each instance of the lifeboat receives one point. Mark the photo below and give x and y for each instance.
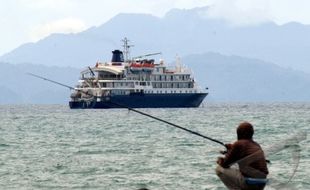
(147, 67)
(135, 67)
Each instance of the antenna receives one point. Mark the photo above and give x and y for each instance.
(126, 47)
(178, 63)
(146, 55)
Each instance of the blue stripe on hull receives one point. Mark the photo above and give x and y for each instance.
(144, 101)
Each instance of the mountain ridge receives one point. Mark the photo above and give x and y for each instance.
(235, 78)
(182, 32)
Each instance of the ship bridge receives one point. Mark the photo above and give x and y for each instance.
(116, 70)
(101, 72)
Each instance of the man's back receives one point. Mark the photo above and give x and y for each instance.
(242, 149)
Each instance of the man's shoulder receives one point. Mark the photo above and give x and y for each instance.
(245, 142)
(241, 141)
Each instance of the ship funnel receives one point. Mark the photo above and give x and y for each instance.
(117, 56)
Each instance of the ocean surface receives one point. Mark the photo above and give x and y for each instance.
(53, 147)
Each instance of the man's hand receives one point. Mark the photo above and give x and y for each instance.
(228, 146)
(220, 160)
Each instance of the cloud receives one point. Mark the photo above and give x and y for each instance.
(66, 25)
(240, 12)
(253, 12)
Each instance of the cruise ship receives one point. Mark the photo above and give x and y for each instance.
(136, 83)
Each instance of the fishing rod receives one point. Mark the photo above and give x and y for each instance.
(55, 82)
(169, 123)
(92, 72)
(134, 110)
(272, 149)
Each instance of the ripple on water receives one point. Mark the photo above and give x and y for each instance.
(53, 147)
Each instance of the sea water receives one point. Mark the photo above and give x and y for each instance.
(54, 147)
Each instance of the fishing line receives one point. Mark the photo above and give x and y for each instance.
(134, 110)
(291, 144)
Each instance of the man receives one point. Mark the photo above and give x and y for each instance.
(250, 158)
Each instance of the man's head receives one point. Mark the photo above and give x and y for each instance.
(245, 131)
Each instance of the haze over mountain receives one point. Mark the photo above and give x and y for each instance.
(234, 78)
(182, 32)
(229, 78)
(251, 63)
(17, 87)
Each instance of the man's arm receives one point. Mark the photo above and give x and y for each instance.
(232, 155)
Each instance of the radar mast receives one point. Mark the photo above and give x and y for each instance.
(126, 50)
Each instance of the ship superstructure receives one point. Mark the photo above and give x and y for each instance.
(136, 83)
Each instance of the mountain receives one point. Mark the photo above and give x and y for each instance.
(182, 32)
(234, 78)
(229, 78)
(17, 87)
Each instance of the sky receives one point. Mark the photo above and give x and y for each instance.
(25, 21)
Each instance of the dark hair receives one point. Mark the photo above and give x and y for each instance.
(245, 131)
